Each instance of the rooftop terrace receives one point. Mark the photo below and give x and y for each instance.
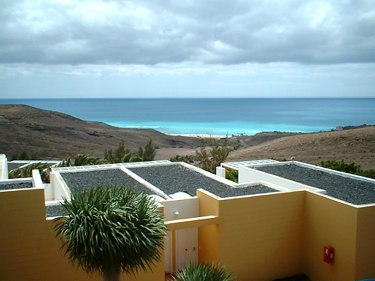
(176, 177)
(16, 184)
(55, 210)
(83, 180)
(352, 189)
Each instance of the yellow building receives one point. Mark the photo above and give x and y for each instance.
(276, 222)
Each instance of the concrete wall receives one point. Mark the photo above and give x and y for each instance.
(365, 256)
(208, 236)
(272, 236)
(329, 223)
(29, 249)
(58, 189)
(258, 238)
(261, 236)
(3, 167)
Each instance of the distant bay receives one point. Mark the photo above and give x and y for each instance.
(215, 116)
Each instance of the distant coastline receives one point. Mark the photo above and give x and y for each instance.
(53, 135)
(216, 117)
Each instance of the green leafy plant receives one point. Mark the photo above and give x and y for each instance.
(111, 229)
(80, 160)
(202, 272)
(183, 158)
(148, 152)
(231, 174)
(124, 155)
(351, 168)
(26, 172)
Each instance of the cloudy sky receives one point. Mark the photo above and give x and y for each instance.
(187, 48)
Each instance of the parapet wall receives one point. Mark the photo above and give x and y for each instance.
(3, 167)
(260, 238)
(29, 249)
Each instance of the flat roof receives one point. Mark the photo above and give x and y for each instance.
(14, 164)
(8, 185)
(174, 177)
(55, 211)
(82, 180)
(345, 187)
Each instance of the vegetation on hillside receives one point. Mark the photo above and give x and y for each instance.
(124, 155)
(120, 155)
(208, 158)
(352, 168)
(23, 156)
(81, 160)
(210, 154)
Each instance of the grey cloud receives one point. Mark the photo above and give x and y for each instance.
(224, 32)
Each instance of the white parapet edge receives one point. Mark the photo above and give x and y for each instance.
(3, 167)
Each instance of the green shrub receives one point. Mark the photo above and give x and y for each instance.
(202, 272)
(351, 168)
(231, 174)
(210, 158)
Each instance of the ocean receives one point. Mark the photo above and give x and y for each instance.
(216, 117)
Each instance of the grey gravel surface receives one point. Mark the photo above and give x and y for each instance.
(55, 211)
(12, 166)
(15, 185)
(79, 181)
(351, 190)
(177, 178)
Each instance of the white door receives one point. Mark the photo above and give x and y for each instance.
(186, 247)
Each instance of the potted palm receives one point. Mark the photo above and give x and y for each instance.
(111, 230)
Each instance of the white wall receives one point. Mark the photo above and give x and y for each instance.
(220, 172)
(3, 167)
(59, 190)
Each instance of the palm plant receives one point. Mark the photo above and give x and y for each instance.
(111, 229)
(148, 152)
(27, 171)
(202, 272)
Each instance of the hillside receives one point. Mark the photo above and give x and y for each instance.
(48, 134)
(53, 135)
(352, 145)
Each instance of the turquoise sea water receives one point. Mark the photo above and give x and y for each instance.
(215, 116)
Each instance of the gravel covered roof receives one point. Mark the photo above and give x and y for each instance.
(351, 190)
(12, 166)
(55, 211)
(178, 178)
(78, 181)
(15, 185)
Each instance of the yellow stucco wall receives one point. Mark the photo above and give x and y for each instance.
(365, 258)
(29, 249)
(261, 236)
(329, 223)
(257, 238)
(208, 236)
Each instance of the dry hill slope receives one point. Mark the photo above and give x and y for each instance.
(354, 145)
(48, 134)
